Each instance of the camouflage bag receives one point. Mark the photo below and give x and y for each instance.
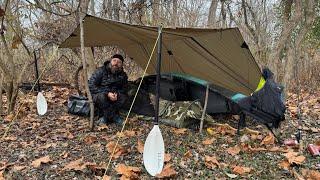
(180, 114)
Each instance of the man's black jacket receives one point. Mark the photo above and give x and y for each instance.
(103, 81)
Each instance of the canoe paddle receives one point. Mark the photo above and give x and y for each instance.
(153, 152)
(42, 105)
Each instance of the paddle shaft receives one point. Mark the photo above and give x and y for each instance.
(156, 117)
(36, 68)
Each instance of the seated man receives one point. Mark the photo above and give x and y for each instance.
(108, 89)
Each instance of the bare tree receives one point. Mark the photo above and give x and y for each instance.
(223, 14)
(1, 91)
(174, 13)
(11, 57)
(294, 51)
(212, 14)
(116, 10)
(92, 4)
(289, 20)
(155, 12)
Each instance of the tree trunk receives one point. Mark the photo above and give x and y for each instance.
(294, 52)
(155, 12)
(223, 14)
(90, 62)
(84, 63)
(92, 7)
(1, 100)
(287, 28)
(116, 10)
(109, 8)
(212, 14)
(104, 8)
(141, 12)
(174, 13)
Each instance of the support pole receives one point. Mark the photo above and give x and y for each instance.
(204, 108)
(85, 73)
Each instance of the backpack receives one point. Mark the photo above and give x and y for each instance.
(78, 105)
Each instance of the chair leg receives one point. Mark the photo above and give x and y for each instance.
(241, 123)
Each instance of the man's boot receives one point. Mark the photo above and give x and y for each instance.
(118, 120)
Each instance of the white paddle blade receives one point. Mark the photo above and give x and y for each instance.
(153, 152)
(41, 104)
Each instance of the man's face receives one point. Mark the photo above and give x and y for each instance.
(116, 65)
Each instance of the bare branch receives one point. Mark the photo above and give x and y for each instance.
(38, 5)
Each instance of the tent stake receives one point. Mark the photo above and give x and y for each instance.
(84, 63)
(204, 108)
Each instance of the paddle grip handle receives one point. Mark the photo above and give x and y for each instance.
(36, 69)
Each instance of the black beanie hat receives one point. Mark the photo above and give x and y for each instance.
(118, 56)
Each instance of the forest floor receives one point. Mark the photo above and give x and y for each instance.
(61, 146)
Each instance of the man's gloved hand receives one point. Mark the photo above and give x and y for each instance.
(112, 96)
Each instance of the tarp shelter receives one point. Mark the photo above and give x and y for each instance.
(219, 56)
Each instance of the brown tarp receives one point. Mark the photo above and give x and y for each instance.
(219, 56)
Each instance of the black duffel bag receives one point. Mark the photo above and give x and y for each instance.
(78, 105)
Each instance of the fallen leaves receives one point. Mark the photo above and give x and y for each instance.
(128, 171)
(18, 168)
(68, 135)
(102, 127)
(10, 138)
(284, 165)
(234, 150)
(244, 138)
(5, 166)
(74, 165)
(167, 172)
(64, 154)
(167, 157)
(1, 175)
(310, 174)
(47, 146)
(118, 151)
(241, 170)
(293, 157)
(232, 176)
(140, 146)
(278, 149)
(126, 134)
(78, 165)
(187, 155)
(9, 118)
(106, 177)
(90, 139)
(36, 163)
(250, 131)
(296, 175)
(268, 140)
(129, 133)
(211, 162)
(222, 129)
(208, 141)
(180, 131)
